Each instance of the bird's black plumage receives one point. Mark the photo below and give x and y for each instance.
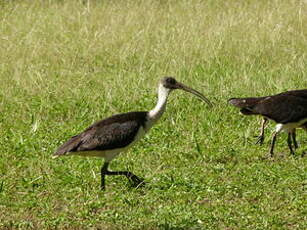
(282, 108)
(299, 93)
(111, 136)
(114, 132)
(287, 108)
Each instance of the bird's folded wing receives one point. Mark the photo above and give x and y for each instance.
(111, 136)
(283, 109)
(68, 146)
(298, 93)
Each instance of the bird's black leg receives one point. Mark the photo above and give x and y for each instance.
(130, 176)
(294, 139)
(104, 171)
(260, 138)
(273, 144)
(136, 180)
(290, 143)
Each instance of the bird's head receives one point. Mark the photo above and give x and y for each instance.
(170, 83)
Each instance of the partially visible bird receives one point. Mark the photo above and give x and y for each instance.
(111, 136)
(287, 109)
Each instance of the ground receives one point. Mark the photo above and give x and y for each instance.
(67, 64)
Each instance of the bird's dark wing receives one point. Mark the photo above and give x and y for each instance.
(298, 93)
(248, 102)
(68, 146)
(112, 136)
(283, 108)
(114, 132)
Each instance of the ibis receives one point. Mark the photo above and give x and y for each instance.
(116, 134)
(287, 109)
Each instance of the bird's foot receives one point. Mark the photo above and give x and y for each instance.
(136, 181)
(270, 155)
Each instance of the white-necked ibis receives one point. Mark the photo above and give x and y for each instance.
(111, 136)
(287, 109)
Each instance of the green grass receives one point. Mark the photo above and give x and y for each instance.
(66, 64)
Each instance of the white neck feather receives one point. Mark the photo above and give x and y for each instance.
(157, 112)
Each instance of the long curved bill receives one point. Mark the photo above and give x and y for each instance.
(193, 91)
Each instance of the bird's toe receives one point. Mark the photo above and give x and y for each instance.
(136, 181)
(260, 140)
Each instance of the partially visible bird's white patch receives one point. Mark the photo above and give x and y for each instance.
(244, 101)
(157, 112)
(289, 127)
(279, 127)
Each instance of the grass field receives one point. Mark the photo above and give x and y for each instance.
(66, 64)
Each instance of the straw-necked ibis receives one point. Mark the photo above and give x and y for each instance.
(111, 136)
(287, 109)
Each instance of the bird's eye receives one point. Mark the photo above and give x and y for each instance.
(171, 81)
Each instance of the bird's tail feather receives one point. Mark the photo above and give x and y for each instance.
(67, 147)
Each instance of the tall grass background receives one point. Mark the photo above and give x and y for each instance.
(66, 64)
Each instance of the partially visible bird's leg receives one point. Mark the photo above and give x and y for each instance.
(260, 138)
(290, 143)
(132, 177)
(294, 139)
(104, 171)
(273, 143)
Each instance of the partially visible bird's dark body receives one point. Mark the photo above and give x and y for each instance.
(287, 109)
(111, 136)
(115, 132)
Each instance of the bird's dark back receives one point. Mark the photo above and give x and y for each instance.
(298, 93)
(283, 108)
(276, 107)
(139, 117)
(252, 101)
(113, 132)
